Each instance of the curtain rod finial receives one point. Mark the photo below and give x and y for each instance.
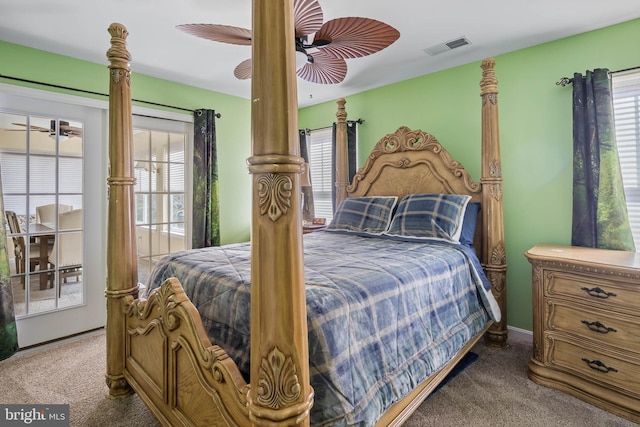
(564, 81)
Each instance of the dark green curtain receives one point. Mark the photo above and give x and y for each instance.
(352, 140)
(8, 332)
(600, 218)
(206, 217)
(308, 210)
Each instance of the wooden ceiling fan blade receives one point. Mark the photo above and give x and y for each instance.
(307, 16)
(218, 33)
(244, 70)
(325, 69)
(32, 127)
(355, 37)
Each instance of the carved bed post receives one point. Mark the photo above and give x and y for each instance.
(280, 393)
(122, 276)
(493, 252)
(342, 162)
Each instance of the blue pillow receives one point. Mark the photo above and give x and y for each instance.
(370, 215)
(469, 224)
(434, 216)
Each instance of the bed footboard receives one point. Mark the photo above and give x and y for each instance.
(174, 368)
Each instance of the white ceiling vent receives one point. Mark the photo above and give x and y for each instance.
(447, 46)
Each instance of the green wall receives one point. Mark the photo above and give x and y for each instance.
(535, 133)
(233, 128)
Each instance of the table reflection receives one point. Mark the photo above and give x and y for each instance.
(44, 234)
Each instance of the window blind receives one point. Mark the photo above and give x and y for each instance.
(320, 165)
(626, 106)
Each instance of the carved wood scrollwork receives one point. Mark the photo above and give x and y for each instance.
(497, 280)
(496, 191)
(498, 255)
(537, 351)
(274, 195)
(117, 74)
(416, 147)
(495, 269)
(491, 97)
(404, 163)
(551, 314)
(405, 139)
(278, 384)
(165, 299)
(537, 274)
(496, 169)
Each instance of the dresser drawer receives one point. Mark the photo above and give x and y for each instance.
(598, 325)
(592, 289)
(607, 370)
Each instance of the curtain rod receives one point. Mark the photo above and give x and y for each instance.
(566, 80)
(218, 115)
(358, 121)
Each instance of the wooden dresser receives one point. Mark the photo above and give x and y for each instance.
(586, 325)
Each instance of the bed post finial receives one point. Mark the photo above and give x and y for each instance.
(118, 55)
(493, 258)
(122, 268)
(342, 162)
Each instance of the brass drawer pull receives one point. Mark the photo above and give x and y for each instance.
(598, 293)
(598, 327)
(597, 365)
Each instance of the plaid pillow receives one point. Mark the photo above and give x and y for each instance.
(370, 215)
(436, 216)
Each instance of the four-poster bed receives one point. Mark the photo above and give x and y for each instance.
(158, 346)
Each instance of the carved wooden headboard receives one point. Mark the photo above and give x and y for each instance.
(412, 161)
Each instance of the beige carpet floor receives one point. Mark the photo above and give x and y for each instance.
(494, 391)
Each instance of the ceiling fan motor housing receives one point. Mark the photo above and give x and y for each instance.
(62, 132)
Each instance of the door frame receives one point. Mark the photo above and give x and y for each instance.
(42, 327)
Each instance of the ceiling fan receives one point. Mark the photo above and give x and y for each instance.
(322, 48)
(65, 129)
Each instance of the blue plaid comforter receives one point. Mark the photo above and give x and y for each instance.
(383, 314)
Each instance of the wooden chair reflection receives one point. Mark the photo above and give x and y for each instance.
(20, 248)
(67, 250)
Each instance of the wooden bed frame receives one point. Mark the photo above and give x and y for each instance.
(158, 347)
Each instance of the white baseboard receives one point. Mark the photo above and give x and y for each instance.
(519, 334)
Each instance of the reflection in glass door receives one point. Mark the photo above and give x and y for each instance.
(159, 168)
(41, 159)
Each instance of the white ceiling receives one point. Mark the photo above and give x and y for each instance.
(78, 28)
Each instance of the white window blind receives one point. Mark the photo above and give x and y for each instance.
(321, 165)
(626, 105)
